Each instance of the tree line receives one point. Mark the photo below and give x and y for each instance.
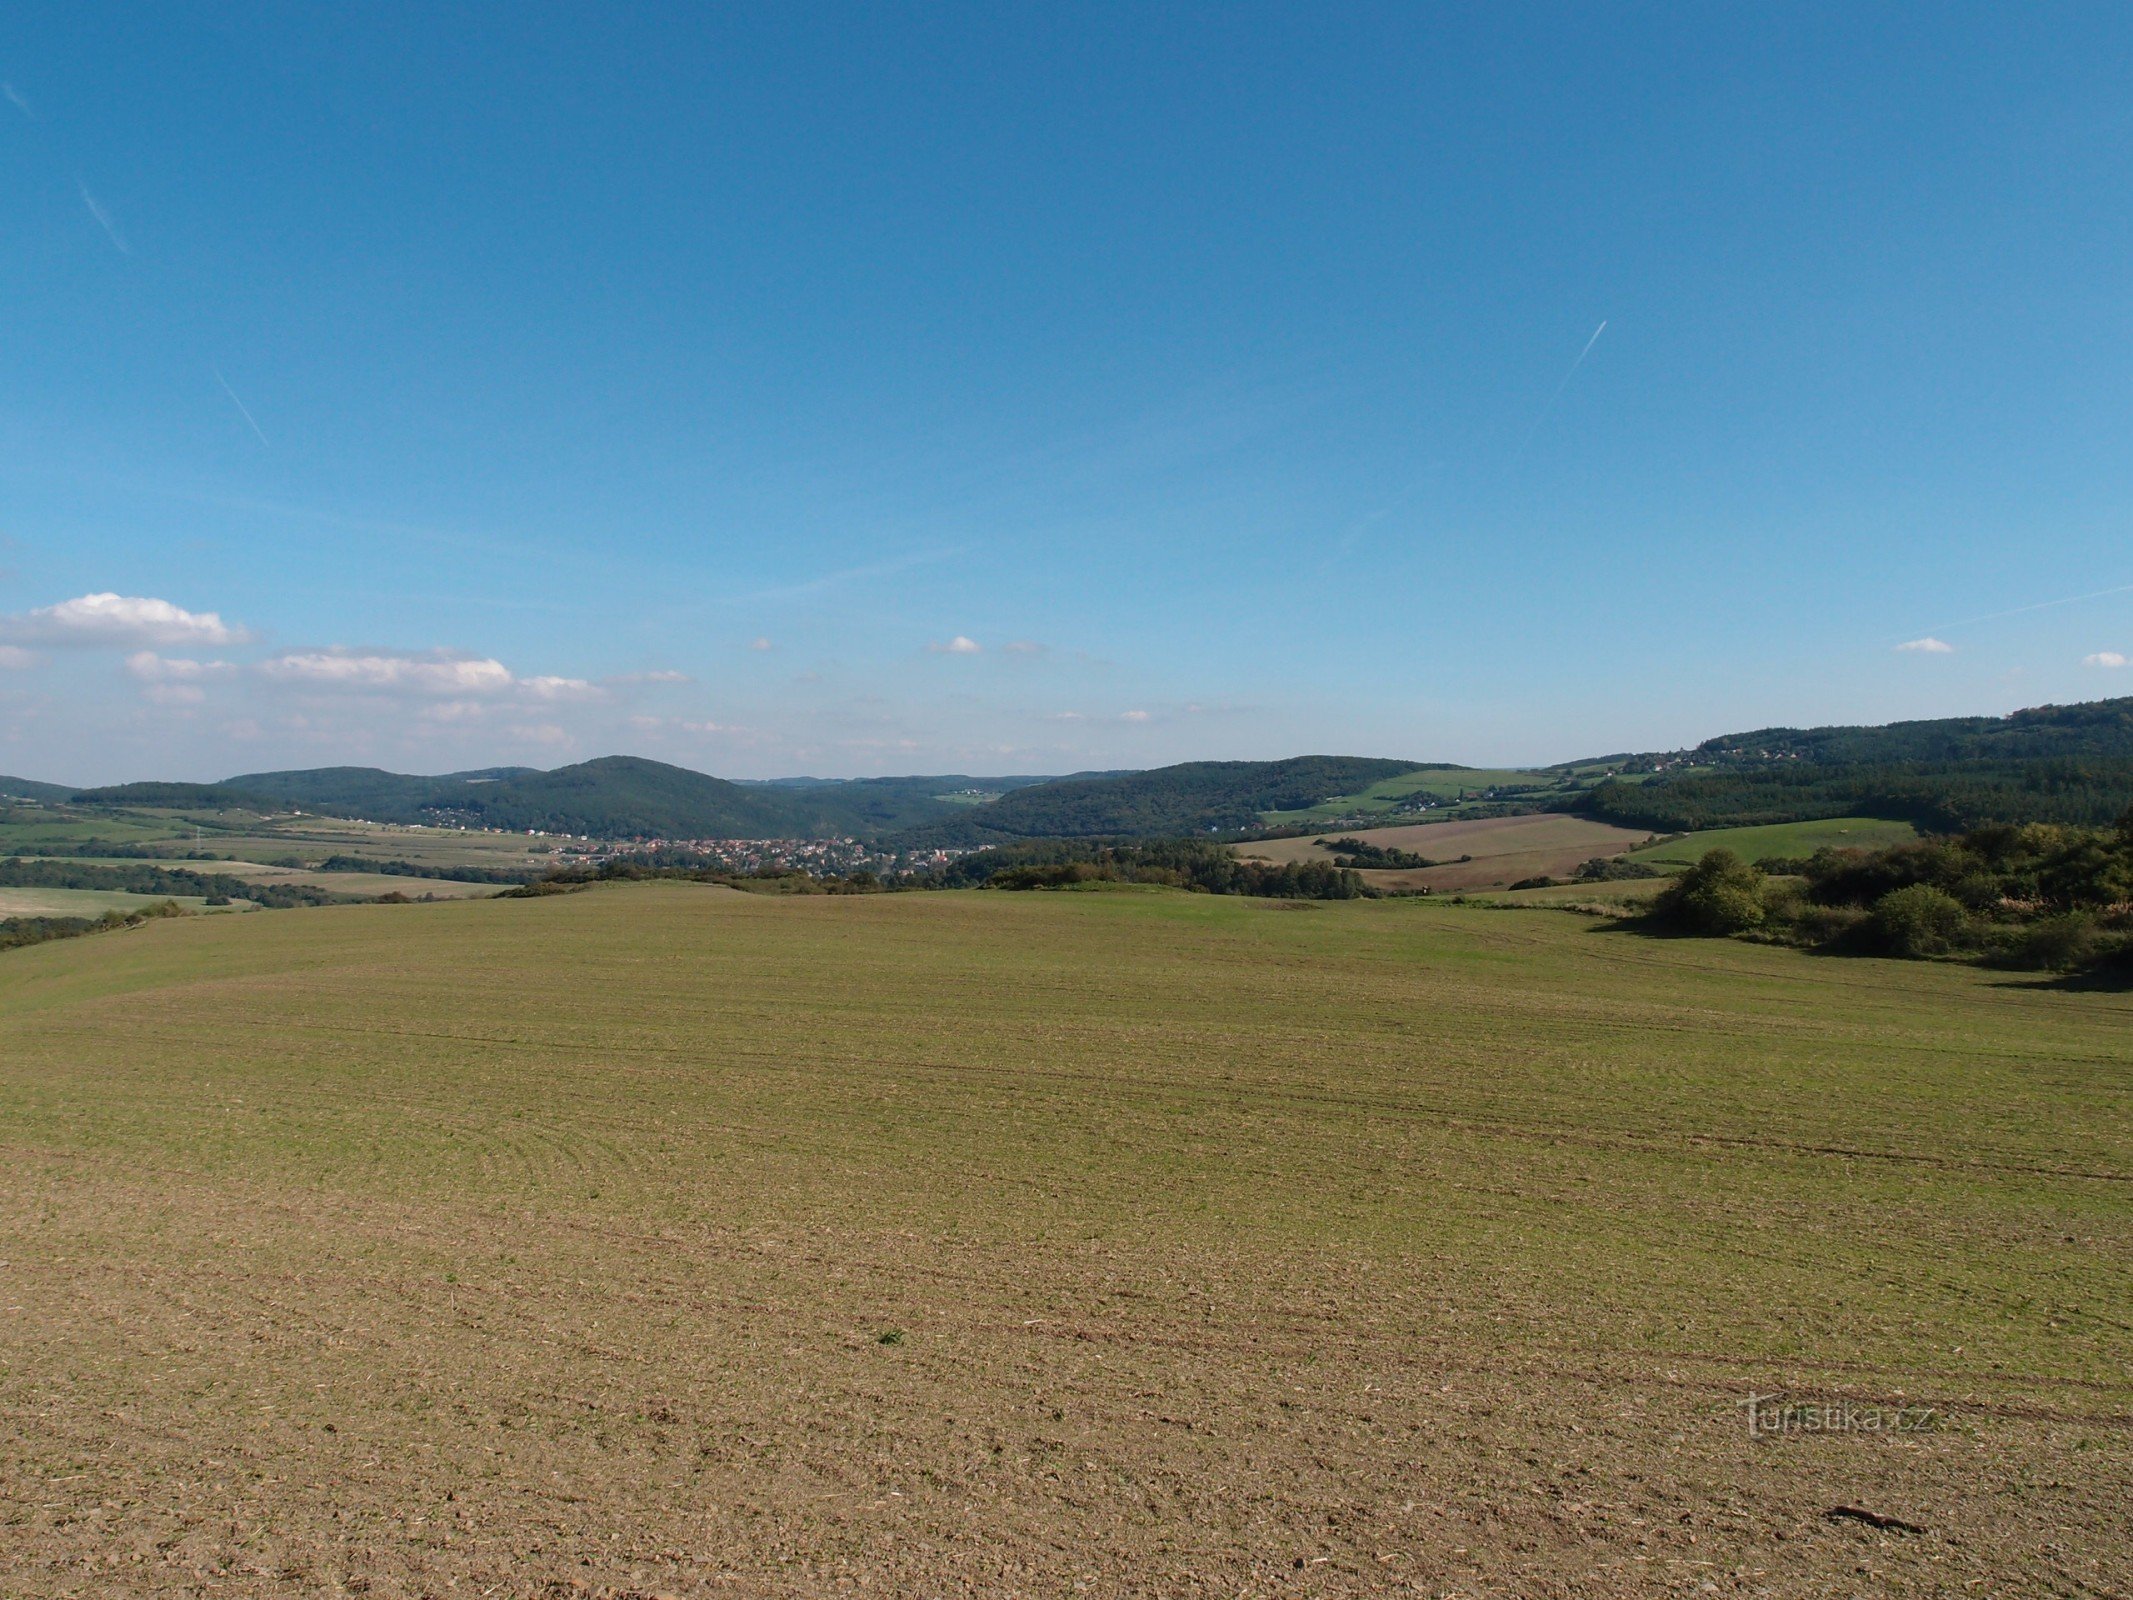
(2033, 895)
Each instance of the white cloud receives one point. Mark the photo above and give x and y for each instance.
(13, 658)
(960, 645)
(1928, 646)
(117, 621)
(462, 684)
(1133, 716)
(761, 643)
(377, 671)
(559, 688)
(2105, 658)
(152, 668)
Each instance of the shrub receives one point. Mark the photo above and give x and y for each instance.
(1825, 925)
(2059, 944)
(1917, 921)
(1720, 895)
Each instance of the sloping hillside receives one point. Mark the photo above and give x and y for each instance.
(365, 791)
(615, 797)
(31, 789)
(1194, 797)
(2071, 764)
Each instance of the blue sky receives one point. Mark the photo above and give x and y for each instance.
(1010, 389)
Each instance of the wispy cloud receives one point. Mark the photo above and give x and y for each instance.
(1022, 647)
(13, 658)
(761, 642)
(436, 673)
(119, 621)
(1929, 646)
(2105, 658)
(461, 680)
(104, 220)
(843, 575)
(659, 675)
(15, 98)
(152, 668)
(960, 645)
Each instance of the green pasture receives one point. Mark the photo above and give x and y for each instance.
(1787, 839)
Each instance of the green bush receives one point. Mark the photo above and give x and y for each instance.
(2059, 944)
(1720, 895)
(1917, 921)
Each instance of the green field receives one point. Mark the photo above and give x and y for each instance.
(1789, 839)
(248, 837)
(671, 1240)
(1387, 794)
(86, 902)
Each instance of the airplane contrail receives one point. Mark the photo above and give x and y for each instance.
(2036, 605)
(104, 220)
(1559, 388)
(1582, 354)
(242, 409)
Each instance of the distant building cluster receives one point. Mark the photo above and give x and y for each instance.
(821, 858)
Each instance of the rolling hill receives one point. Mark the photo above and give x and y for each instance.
(1192, 797)
(31, 789)
(615, 797)
(2068, 764)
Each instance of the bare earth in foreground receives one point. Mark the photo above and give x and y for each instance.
(646, 1241)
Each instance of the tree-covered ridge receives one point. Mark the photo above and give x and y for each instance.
(1193, 797)
(611, 797)
(31, 789)
(1939, 796)
(2090, 729)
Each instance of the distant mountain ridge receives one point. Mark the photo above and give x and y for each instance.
(2049, 763)
(619, 797)
(610, 797)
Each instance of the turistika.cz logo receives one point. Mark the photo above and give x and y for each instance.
(1772, 1414)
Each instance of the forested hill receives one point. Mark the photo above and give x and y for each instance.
(31, 789)
(2071, 764)
(1194, 797)
(366, 791)
(612, 797)
(2094, 728)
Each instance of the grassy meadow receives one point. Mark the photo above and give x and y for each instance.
(670, 1240)
(1788, 839)
(1387, 793)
